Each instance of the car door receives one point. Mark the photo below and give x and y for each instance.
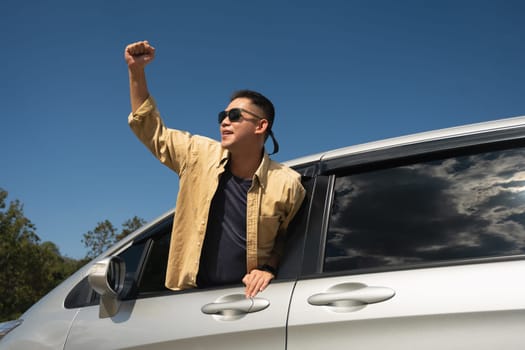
(177, 321)
(156, 318)
(421, 252)
(467, 307)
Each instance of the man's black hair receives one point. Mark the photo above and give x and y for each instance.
(260, 101)
(265, 105)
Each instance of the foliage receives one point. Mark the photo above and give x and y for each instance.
(101, 238)
(104, 235)
(17, 251)
(129, 226)
(30, 268)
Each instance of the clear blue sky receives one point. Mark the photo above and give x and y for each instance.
(339, 72)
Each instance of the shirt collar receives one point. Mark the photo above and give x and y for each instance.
(225, 155)
(261, 174)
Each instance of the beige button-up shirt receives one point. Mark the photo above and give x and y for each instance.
(272, 201)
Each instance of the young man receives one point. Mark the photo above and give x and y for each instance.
(234, 203)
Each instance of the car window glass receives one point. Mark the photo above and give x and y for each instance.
(81, 295)
(132, 258)
(154, 274)
(464, 207)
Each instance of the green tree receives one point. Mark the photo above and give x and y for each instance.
(29, 269)
(18, 242)
(101, 238)
(57, 267)
(129, 226)
(104, 235)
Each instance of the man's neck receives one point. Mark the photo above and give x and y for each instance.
(244, 165)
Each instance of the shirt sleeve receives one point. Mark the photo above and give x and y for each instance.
(170, 146)
(297, 195)
(295, 200)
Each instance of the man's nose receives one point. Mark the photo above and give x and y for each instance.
(226, 121)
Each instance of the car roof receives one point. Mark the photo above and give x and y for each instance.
(439, 134)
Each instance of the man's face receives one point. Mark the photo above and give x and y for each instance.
(243, 133)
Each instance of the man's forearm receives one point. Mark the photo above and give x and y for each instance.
(137, 56)
(138, 88)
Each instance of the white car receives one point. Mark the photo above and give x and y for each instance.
(411, 242)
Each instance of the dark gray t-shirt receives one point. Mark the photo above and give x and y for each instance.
(223, 256)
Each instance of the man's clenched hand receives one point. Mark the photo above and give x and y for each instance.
(139, 54)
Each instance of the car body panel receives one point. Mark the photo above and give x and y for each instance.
(46, 324)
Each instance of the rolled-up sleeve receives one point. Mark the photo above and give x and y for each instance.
(170, 146)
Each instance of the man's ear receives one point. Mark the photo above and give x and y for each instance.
(262, 126)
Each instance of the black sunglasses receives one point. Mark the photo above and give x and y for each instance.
(235, 114)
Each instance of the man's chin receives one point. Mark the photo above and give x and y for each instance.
(226, 145)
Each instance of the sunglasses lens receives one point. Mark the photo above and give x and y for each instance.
(222, 115)
(234, 114)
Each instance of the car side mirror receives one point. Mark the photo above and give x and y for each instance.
(106, 277)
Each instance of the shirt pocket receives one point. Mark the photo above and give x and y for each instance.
(268, 228)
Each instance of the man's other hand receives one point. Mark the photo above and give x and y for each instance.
(256, 281)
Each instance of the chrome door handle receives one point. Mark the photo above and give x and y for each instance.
(235, 306)
(351, 294)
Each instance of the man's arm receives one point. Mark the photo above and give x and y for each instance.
(259, 278)
(137, 56)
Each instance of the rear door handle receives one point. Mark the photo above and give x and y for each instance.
(351, 295)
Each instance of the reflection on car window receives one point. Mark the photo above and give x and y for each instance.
(457, 208)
